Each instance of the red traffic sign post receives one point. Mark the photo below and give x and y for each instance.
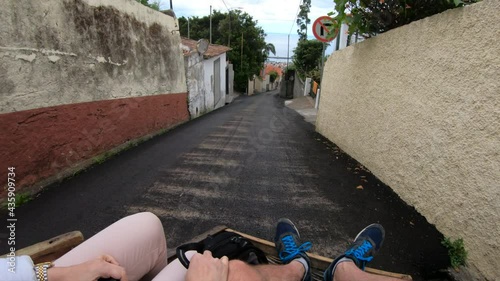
(321, 27)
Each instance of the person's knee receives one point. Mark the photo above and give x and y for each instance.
(149, 219)
(151, 226)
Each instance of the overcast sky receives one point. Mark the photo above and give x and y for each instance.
(274, 16)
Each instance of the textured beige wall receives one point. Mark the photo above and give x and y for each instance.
(57, 52)
(420, 107)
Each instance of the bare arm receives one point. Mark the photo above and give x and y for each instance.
(207, 268)
(104, 266)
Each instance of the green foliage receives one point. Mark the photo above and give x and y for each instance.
(272, 76)
(155, 5)
(269, 49)
(290, 67)
(456, 251)
(307, 57)
(22, 198)
(371, 17)
(199, 28)
(239, 30)
(303, 19)
(104, 157)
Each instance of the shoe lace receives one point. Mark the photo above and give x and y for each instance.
(291, 250)
(360, 252)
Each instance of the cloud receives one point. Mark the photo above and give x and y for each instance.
(274, 16)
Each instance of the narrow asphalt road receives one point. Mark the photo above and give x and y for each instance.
(244, 166)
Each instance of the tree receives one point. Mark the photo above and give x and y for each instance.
(307, 57)
(268, 50)
(303, 19)
(371, 17)
(155, 5)
(199, 27)
(273, 75)
(247, 41)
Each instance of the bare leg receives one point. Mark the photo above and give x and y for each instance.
(240, 271)
(348, 271)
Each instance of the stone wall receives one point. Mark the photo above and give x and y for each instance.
(81, 77)
(420, 107)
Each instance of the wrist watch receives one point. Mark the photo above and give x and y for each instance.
(41, 270)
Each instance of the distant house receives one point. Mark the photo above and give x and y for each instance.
(262, 83)
(207, 77)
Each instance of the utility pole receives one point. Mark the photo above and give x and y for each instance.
(316, 104)
(171, 7)
(286, 70)
(241, 63)
(229, 37)
(188, 28)
(210, 24)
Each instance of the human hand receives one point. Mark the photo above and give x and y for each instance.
(207, 268)
(104, 266)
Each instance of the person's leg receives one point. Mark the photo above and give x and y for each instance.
(348, 271)
(174, 271)
(290, 249)
(240, 271)
(293, 255)
(137, 242)
(350, 265)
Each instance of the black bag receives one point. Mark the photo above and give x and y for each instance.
(226, 243)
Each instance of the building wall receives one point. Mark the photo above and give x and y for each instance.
(81, 77)
(420, 107)
(230, 82)
(195, 76)
(211, 101)
(298, 87)
(251, 87)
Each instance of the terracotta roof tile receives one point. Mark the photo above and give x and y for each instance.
(270, 67)
(213, 49)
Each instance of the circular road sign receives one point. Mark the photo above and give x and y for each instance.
(322, 27)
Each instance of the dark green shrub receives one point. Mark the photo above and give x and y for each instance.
(456, 251)
(272, 76)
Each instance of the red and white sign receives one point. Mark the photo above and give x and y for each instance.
(322, 27)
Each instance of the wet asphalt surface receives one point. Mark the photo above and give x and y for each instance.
(245, 166)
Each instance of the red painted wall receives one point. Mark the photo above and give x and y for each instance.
(39, 143)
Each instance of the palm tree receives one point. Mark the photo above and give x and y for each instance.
(269, 48)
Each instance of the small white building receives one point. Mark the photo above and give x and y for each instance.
(206, 76)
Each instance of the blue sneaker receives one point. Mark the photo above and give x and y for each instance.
(289, 247)
(362, 250)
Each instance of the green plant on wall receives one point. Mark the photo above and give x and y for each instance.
(371, 17)
(20, 199)
(456, 251)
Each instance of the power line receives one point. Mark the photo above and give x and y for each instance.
(225, 5)
(295, 19)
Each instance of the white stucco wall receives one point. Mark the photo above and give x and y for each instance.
(210, 101)
(195, 77)
(199, 75)
(420, 107)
